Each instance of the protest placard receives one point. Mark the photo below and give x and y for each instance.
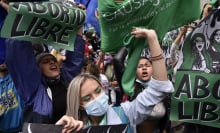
(51, 128)
(197, 85)
(52, 23)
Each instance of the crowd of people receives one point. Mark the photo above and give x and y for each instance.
(80, 88)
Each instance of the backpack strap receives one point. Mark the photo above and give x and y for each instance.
(120, 112)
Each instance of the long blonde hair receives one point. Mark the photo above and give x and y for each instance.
(73, 96)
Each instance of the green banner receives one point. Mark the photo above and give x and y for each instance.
(197, 85)
(196, 98)
(51, 23)
(118, 19)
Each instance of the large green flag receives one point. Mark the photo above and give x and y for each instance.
(117, 20)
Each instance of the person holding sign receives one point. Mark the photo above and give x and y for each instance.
(11, 105)
(86, 100)
(40, 81)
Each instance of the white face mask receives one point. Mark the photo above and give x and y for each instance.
(98, 106)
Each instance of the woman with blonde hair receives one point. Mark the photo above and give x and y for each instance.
(87, 102)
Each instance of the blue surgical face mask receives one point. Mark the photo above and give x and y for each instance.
(98, 106)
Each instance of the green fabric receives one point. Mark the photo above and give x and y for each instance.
(212, 2)
(117, 19)
(52, 23)
(196, 95)
(129, 75)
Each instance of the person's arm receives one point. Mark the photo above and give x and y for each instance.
(158, 65)
(181, 34)
(4, 4)
(100, 58)
(206, 10)
(119, 67)
(23, 68)
(175, 46)
(158, 87)
(74, 59)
